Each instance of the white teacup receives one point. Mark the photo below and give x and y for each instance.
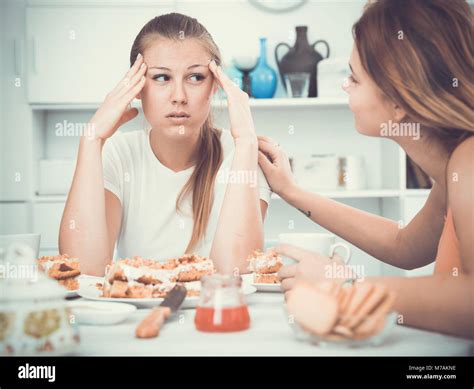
(320, 243)
(30, 240)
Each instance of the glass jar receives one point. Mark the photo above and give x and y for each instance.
(222, 306)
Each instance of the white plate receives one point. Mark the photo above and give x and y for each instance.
(74, 293)
(100, 313)
(261, 287)
(88, 290)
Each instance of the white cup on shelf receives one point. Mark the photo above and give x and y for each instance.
(353, 172)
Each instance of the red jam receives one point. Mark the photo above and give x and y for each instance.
(222, 320)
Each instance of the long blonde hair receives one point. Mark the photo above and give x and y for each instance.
(420, 54)
(176, 26)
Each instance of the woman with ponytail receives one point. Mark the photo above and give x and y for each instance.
(180, 186)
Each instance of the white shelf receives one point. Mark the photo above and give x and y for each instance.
(254, 103)
(351, 194)
(417, 192)
(50, 198)
(293, 103)
(335, 194)
(67, 107)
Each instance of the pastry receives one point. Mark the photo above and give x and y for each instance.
(62, 268)
(265, 266)
(146, 278)
(271, 278)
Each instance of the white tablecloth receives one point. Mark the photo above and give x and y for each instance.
(270, 334)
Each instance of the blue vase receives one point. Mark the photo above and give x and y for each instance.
(263, 78)
(235, 75)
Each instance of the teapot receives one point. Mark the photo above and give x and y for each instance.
(34, 319)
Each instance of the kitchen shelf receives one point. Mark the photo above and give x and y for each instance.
(417, 192)
(254, 103)
(294, 103)
(71, 106)
(49, 198)
(335, 194)
(352, 194)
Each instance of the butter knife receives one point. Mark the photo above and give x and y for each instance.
(150, 326)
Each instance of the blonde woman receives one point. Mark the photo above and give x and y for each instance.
(166, 191)
(412, 62)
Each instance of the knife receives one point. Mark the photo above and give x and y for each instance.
(150, 326)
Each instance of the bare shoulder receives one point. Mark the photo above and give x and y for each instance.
(460, 169)
(460, 183)
(464, 152)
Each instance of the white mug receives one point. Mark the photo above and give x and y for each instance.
(353, 171)
(320, 243)
(30, 240)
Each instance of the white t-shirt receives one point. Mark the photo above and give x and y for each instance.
(151, 226)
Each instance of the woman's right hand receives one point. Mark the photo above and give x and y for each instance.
(116, 110)
(275, 165)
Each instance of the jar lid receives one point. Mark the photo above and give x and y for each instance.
(21, 279)
(218, 280)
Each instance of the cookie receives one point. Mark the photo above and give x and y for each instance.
(312, 308)
(271, 278)
(378, 294)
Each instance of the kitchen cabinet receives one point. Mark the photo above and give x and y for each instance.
(16, 159)
(78, 54)
(46, 221)
(14, 218)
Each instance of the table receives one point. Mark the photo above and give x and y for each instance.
(270, 334)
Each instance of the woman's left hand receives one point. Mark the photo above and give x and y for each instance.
(309, 265)
(241, 121)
